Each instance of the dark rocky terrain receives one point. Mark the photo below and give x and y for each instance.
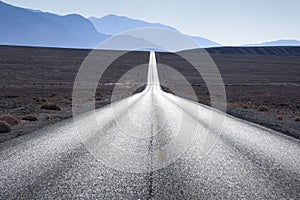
(259, 51)
(31, 77)
(262, 84)
(264, 89)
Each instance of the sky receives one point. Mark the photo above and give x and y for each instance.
(229, 22)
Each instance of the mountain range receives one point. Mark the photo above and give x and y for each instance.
(113, 24)
(278, 43)
(26, 27)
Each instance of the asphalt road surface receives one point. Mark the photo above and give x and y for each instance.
(152, 145)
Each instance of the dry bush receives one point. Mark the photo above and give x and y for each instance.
(10, 119)
(50, 106)
(29, 118)
(263, 109)
(4, 127)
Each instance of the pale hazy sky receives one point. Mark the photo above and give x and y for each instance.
(229, 22)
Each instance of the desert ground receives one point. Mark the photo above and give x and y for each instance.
(36, 85)
(264, 89)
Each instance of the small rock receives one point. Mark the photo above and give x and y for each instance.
(280, 118)
(297, 119)
(263, 109)
(10, 119)
(4, 127)
(283, 104)
(29, 118)
(245, 106)
(50, 106)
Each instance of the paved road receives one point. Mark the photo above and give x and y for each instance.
(121, 155)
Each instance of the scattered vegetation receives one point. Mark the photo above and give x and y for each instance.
(98, 96)
(29, 118)
(50, 106)
(263, 109)
(245, 106)
(10, 119)
(4, 127)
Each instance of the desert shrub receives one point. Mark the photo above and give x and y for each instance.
(263, 109)
(4, 127)
(10, 119)
(245, 106)
(29, 118)
(50, 106)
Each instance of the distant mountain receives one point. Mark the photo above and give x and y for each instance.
(205, 43)
(113, 24)
(26, 27)
(278, 43)
(130, 43)
(21, 26)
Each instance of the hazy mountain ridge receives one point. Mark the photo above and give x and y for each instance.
(27, 27)
(33, 28)
(113, 24)
(277, 43)
(205, 43)
(121, 24)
